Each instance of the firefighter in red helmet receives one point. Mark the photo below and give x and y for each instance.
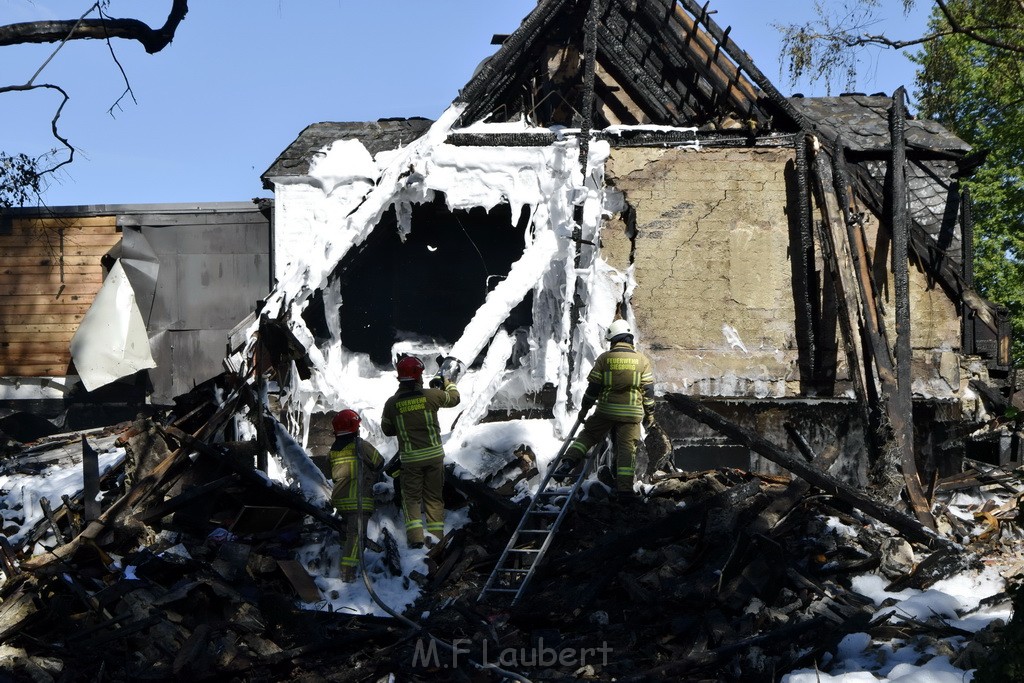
(355, 465)
(411, 415)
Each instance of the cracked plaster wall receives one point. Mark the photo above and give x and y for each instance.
(714, 297)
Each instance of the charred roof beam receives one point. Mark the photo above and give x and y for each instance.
(702, 53)
(489, 84)
(679, 81)
(625, 68)
(743, 62)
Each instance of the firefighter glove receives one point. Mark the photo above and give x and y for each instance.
(437, 382)
(586, 404)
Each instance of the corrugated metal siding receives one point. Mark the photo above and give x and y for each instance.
(49, 274)
(214, 269)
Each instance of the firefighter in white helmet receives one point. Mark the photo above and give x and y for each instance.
(622, 386)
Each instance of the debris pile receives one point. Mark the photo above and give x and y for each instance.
(196, 563)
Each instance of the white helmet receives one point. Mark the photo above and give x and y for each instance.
(618, 328)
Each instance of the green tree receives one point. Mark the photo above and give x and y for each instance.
(22, 177)
(970, 79)
(973, 83)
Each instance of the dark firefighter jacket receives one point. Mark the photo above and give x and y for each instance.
(411, 415)
(345, 496)
(622, 384)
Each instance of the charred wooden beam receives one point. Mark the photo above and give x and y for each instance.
(803, 262)
(589, 68)
(482, 495)
(624, 61)
(8, 559)
(836, 253)
(901, 405)
(44, 504)
(181, 500)
(742, 59)
(684, 100)
(52, 562)
(908, 526)
(871, 316)
(288, 497)
(482, 91)
(91, 476)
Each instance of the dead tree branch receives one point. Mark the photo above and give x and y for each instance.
(152, 39)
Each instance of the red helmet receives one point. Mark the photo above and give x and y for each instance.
(409, 368)
(346, 422)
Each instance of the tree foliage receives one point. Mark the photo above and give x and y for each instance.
(975, 88)
(971, 79)
(23, 177)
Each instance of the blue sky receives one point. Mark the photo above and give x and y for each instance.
(241, 80)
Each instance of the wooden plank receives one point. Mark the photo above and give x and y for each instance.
(8, 260)
(41, 338)
(38, 251)
(53, 240)
(32, 357)
(73, 229)
(49, 312)
(40, 302)
(51, 277)
(33, 369)
(42, 222)
(53, 267)
(836, 253)
(300, 580)
(50, 289)
(36, 328)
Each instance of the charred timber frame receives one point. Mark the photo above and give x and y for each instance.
(739, 91)
(639, 43)
(587, 112)
(803, 263)
(901, 403)
(908, 526)
(836, 253)
(644, 89)
(897, 441)
(967, 253)
(482, 92)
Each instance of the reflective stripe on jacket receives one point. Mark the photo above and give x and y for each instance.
(622, 383)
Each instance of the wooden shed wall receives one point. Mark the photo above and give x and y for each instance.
(50, 272)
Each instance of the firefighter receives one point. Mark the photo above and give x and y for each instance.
(622, 386)
(355, 466)
(411, 415)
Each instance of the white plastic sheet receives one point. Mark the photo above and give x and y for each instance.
(111, 342)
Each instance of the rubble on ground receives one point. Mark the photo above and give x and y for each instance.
(194, 567)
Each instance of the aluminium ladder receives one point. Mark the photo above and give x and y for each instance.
(536, 530)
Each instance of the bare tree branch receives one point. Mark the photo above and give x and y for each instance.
(975, 31)
(20, 174)
(127, 84)
(152, 40)
(62, 43)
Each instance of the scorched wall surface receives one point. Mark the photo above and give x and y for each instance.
(714, 300)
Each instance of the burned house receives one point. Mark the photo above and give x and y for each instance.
(798, 270)
(72, 348)
(785, 261)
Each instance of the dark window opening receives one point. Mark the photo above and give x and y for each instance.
(431, 285)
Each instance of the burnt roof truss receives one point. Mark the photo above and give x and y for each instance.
(658, 61)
